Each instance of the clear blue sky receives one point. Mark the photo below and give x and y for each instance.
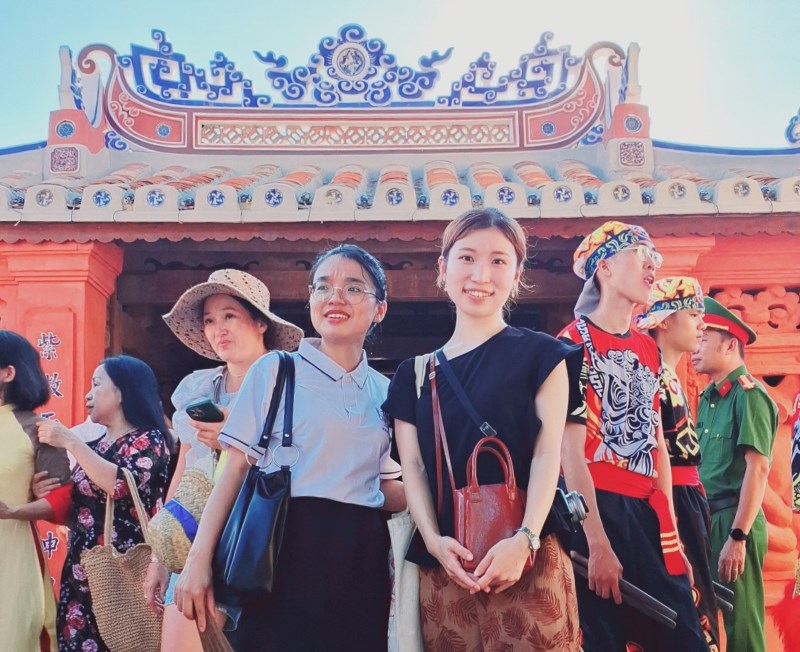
(713, 72)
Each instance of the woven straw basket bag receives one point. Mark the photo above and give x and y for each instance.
(167, 535)
(116, 583)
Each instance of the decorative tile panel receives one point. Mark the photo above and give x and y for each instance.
(632, 154)
(64, 159)
(360, 133)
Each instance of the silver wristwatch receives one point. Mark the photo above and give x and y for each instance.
(534, 542)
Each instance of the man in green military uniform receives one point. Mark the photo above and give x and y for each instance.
(736, 423)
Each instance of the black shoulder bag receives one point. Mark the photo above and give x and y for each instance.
(247, 553)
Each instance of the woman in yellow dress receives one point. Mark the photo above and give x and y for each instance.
(27, 603)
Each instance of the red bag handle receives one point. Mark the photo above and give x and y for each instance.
(503, 456)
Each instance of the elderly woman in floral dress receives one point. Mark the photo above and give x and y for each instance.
(123, 398)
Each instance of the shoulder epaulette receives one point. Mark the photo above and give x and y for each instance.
(747, 381)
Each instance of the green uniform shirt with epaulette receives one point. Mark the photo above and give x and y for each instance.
(733, 415)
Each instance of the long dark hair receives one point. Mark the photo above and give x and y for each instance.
(29, 389)
(138, 387)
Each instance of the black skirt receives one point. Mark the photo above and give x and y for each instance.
(332, 586)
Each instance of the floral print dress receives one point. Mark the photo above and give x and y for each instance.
(146, 455)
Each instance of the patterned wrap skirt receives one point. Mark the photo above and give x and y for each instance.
(540, 612)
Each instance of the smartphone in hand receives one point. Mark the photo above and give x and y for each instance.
(205, 411)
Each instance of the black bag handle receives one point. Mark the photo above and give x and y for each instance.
(484, 426)
(288, 401)
(284, 378)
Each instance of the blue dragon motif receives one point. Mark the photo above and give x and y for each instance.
(351, 69)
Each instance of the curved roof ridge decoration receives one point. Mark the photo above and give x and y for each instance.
(352, 70)
(722, 150)
(792, 132)
(542, 74)
(352, 95)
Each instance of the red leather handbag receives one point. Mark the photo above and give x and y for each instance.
(484, 514)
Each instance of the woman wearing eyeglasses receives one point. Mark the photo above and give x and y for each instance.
(332, 582)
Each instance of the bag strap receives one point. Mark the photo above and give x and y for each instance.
(216, 394)
(217, 383)
(288, 401)
(275, 400)
(141, 512)
(484, 426)
(441, 439)
(582, 327)
(420, 362)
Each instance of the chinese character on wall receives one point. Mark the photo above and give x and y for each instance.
(48, 344)
(55, 384)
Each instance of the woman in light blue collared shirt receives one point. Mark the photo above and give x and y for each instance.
(332, 581)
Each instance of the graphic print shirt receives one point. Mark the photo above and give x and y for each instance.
(796, 455)
(616, 396)
(676, 419)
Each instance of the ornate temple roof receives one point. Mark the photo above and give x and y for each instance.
(353, 136)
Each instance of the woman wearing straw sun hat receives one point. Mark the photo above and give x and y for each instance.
(331, 587)
(227, 319)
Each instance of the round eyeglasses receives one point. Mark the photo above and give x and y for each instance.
(351, 293)
(645, 253)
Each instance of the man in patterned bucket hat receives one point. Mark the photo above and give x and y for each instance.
(674, 319)
(614, 455)
(736, 422)
(601, 244)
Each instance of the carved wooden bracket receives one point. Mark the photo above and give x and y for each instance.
(774, 314)
(773, 310)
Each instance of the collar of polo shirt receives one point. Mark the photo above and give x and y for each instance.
(309, 350)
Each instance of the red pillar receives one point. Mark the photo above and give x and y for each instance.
(56, 295)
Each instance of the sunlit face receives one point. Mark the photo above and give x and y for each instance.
(683, 330)
(480, 272)
(710, 356)
(342, 318)
(231, 331)
(103, 400)
(631, 273)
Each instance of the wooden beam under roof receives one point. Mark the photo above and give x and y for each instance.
(165, 286)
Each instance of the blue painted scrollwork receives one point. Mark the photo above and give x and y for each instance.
(793, 130)
(347, 70)
(75, 86)
(542, 74)
(623, 83)
(593, 136)
(164, 75)
(351, 69)
(114, 141)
